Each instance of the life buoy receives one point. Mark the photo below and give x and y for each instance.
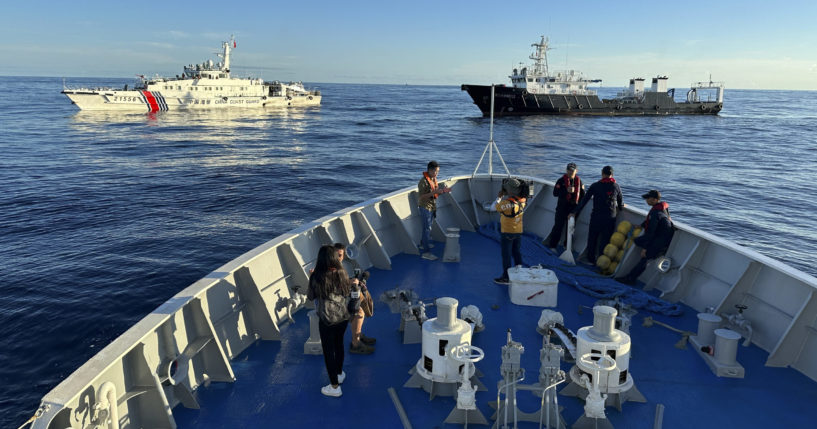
(657, 107)
(580, 106)
(618, 107)
(310, 97)
(703, 107)
(264, 97)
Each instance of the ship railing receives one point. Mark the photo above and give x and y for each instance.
(707, 85)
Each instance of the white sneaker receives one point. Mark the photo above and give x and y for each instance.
(334, 392)
(341, 377)
(428, 255)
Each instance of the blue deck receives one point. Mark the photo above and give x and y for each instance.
(278, 386)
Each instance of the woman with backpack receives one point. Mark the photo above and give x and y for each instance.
(335, 294)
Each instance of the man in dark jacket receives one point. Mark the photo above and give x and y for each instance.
(606, 196)
(568, 190)
(655, 239)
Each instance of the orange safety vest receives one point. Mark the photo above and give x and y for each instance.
(431, 182)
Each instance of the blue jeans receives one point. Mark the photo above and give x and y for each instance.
(427, 216)
(511, 245)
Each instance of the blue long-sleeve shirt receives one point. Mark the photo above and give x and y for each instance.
(658, 231)
(606, 196)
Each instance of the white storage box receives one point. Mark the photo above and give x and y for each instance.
(533, 286)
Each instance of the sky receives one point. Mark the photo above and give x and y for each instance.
(746, 44)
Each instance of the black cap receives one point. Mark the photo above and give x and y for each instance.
(607, 170)
(571, 166)
(652, 193)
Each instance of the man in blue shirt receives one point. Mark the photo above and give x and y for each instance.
(606, 196)
(657, 235)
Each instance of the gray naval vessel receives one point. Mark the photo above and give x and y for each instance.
(535, 90)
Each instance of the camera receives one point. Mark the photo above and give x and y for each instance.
(517, 188)
(360, 275)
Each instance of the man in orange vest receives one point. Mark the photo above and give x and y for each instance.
(510, 205)
(428, 190)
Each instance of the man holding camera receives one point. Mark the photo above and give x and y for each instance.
(511, 205)
(428, 190)
(361, 344)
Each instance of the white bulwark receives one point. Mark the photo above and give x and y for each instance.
(201, 86)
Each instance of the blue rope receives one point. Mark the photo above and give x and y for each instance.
(582, 278)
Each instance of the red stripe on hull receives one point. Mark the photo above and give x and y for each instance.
(151, 100)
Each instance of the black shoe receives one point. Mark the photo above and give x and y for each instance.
(502, 281)
(369, 341)
(360, 349)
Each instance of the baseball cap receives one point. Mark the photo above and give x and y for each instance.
(652, 193)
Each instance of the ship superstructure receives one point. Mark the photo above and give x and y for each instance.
(535, 90)
(536, 79)
(200, 86)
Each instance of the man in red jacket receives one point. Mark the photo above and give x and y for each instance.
(568, 190)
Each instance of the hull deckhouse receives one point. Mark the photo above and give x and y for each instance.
(201, 86)
(535, 91)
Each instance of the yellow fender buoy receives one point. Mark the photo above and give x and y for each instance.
(618, 239)
(619, 255)
(603, 262)
(628, 244)
(637, 231)
(610, 251)
(624, 227)
(612, 267)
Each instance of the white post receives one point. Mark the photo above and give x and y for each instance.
(491, 136)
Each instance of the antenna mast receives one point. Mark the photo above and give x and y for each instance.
(491, 146)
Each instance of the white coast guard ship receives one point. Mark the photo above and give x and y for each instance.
(201, 86)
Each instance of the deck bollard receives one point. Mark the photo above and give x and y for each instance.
(707, 324)
(726, 346)
(312, 346)
(452, 245)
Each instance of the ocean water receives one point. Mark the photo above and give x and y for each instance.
(105, 216)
